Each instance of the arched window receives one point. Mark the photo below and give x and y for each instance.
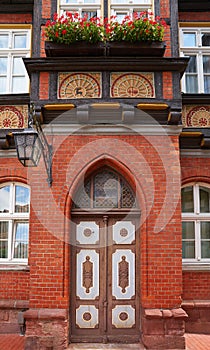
(105, 189)
(196, 223)
(14, 222)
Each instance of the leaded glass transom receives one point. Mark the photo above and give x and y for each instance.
(105, 189)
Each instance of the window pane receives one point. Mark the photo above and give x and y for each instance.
(189, 39)
(21, 241)
(4, 239)
(204, 199)
(188, 250)
(106, 190)
(3, 85)
(4, 199)
(3, 65)
(187, 200)
(188, 230)
(205, 37)
(21, 199)
(19, 84)
(121, 16)
(89, 14)
(207, 84)
(20, 41)
(18, 66)
(192, 65)
(191, 83)
(4, 41)
(206, 64)
(205, 249)
(205, 230)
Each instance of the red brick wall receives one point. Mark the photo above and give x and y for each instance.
(15, 18)
(161, 267)
(196, 285)
(194, 16)
(14, 284)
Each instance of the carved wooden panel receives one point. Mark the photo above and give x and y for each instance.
(196, 116)
(123, 272)
(87, 232)
(13, 117)
(79, 85)
(123, 316)
(123, 232)
(87, 316)
(87, 274)
(136, 85)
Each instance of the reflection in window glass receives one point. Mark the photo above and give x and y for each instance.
(204, 200)
(21, 199)
(5, 199)
(205, 240)
(90, 14)
(189, 39)
(188, 242)
(20, 41)
(3, 82)
(3, 65)
(18, 66)
(4, 41)
(187, 200)
(4, 239)
(21, 240)
(18, 84)
(205, 38)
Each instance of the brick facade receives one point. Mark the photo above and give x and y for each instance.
(172, 299)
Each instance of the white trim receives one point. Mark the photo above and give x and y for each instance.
(195, 266)
(120, 129)
(195, 153)
(8, 153)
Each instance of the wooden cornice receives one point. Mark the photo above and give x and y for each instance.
(134, 64)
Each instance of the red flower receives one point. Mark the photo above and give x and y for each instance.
(64, 31)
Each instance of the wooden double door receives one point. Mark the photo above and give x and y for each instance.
(104, 280)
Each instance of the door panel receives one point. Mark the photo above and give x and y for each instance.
(104, 285)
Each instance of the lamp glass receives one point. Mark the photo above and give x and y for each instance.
(28, 147)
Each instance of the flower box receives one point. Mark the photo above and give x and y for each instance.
(123, 49)
(138, 49)
(81, 48)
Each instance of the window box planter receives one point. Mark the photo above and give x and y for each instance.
(81, 48)
(141, 49)
(126, 49)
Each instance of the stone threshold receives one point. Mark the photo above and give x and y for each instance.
(97, 346)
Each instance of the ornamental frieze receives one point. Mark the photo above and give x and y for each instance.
(196, 116)
(13, 117)
(132, 85)
(79, 85)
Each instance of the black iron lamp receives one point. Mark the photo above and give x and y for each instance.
(31, 143)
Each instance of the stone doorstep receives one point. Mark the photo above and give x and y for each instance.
(92, 346)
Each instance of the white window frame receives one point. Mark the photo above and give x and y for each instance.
(199, 51)
(12, 53)
(13, 218)
(197, 218)
(115, 6)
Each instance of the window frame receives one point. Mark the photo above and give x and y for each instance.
(197, 217)
(199, 51)
(114, 7)
(10, 52)
(13, 218)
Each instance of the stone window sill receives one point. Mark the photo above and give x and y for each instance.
(14, 267)
(196, 267)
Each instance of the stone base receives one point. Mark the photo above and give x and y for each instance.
(10, 312)
(46, 329)
(198, 316)
(163, 329)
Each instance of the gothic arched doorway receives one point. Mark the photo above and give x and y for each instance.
(105, 260)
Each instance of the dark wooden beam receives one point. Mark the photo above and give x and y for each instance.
(144, 64)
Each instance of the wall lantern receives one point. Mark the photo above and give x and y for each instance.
(31, 143)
